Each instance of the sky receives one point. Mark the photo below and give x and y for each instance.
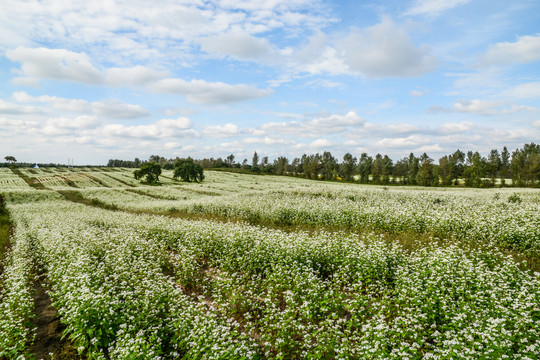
(97, 80)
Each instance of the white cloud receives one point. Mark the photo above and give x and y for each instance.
(403, 142)
(119, 110)
(268, 140)
(452, 128)
(58, 64)
(239, 45)
(133, 76)
(221, 131)
(14, 109)
(484, 107)
(384, 50)
(315, 127)
(166, 128)
(417, 93)
(105, 108)
(525, 50)
(202, 92)
(526, 90)
(433, 7)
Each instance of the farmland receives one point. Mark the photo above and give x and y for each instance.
(264, 267)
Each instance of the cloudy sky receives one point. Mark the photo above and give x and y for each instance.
(95, 80)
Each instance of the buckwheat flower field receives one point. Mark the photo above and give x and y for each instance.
(265, 267)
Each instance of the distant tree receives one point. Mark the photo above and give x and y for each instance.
(264, 164)
(296, 166)
(525, 165)
(426, 175)
(187, 170)
(445, 169)
(10, 159)
(329, 165)
(387, 169)
(255, 160)
(474, 169)
(150, 170)
(311, 165)
(414, 166)
(347, 167)
(401, 171)
(364, 167)
(493, 165)
(280, 165)
(505, 165)
(377, 169)
(230, 160)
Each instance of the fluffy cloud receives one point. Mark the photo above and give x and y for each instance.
(381, 50)
(385, 50)
(526, 90)
(239, 45)
(106, 108)
(119, 110)
(525, 50)
(133, 76)
(482, 107)
(202, 92)
(58, 64)
(433, 7)
(221, 131)
(315, 127)
(166, 128)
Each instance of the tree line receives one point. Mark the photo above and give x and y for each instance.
(499, 168)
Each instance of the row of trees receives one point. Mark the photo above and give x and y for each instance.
(522, 166)
(185, 169)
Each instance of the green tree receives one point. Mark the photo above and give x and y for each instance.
(426, 172)
(414, 165)
(187, 170)
(364, 167)
(525, 165)
(377, 169)
(280, 165)
(10, 159)
(401, 171)
(255, 162)
(150, 170)
(505, 165)
(347, 167)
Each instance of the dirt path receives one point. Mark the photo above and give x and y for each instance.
(49, 329)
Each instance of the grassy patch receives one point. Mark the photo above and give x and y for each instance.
(76, 196)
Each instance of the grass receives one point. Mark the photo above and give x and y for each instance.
(76, 196)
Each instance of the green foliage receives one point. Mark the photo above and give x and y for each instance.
(150, 170)
(514, 199)
(188, 171)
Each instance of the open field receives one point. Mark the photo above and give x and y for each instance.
(263, 267)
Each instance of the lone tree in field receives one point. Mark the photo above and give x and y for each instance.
(10, 159)
(187, 170)
(150, 170)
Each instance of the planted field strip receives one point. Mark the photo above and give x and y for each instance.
(272, 294)
(130, 284)
(121, 181)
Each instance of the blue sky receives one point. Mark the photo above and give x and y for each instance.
(91, 81)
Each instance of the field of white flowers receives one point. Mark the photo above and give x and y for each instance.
(132, 284)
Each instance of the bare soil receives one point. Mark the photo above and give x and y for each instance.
(49, 329)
